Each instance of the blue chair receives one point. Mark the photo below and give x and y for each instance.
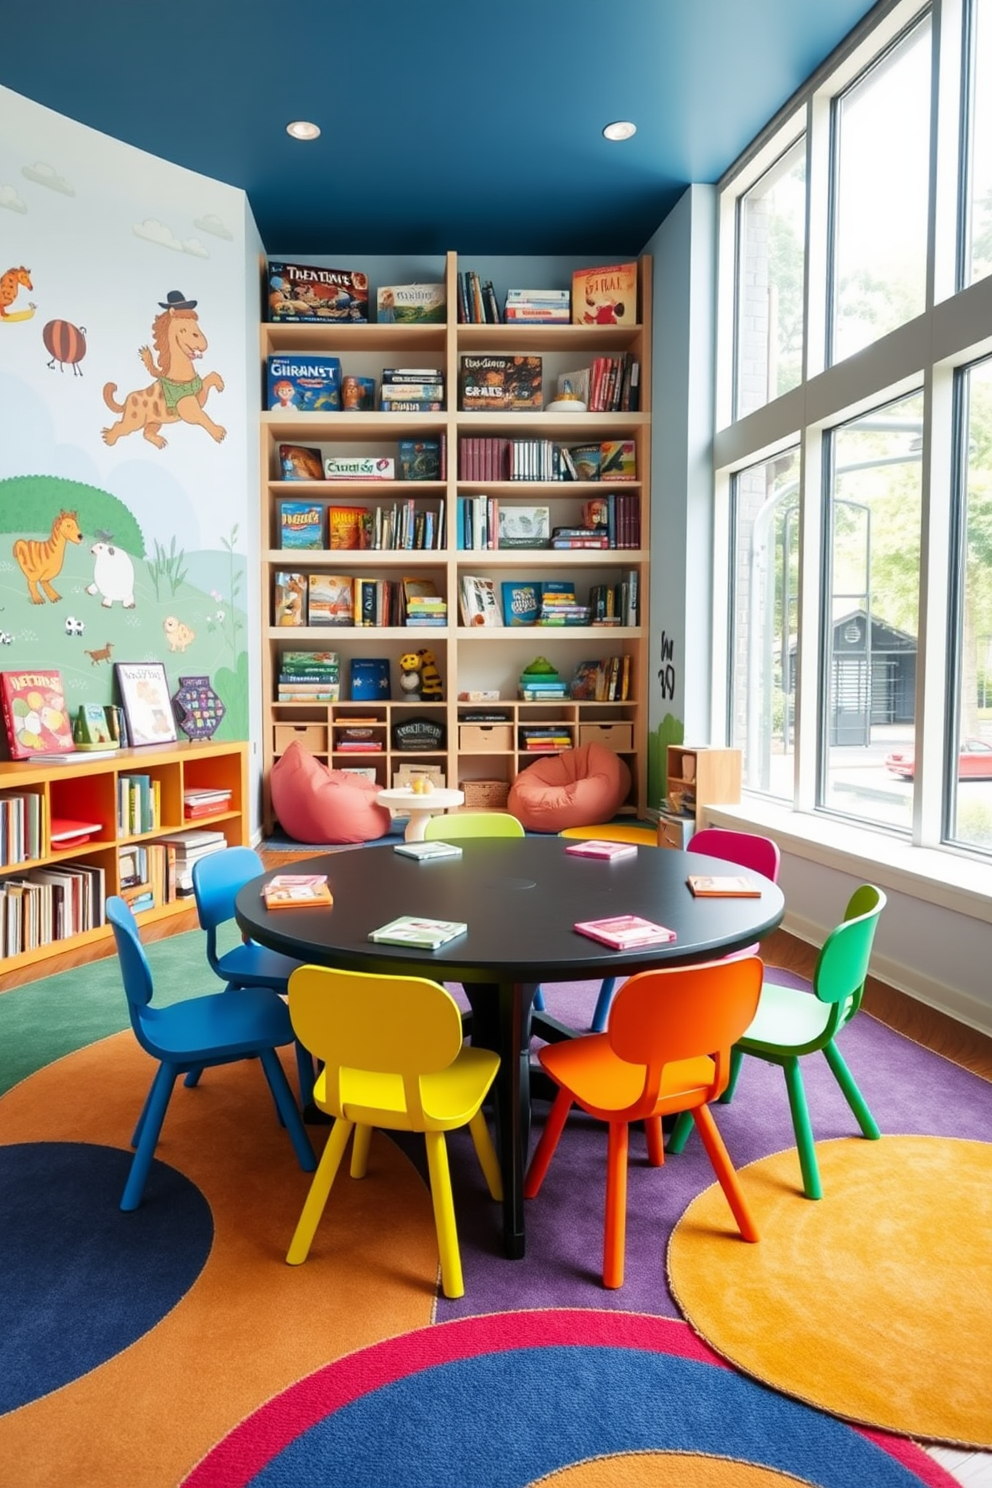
(217, 879)
(197, 1034)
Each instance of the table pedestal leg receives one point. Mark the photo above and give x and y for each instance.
(416, 825)
(501, 1021)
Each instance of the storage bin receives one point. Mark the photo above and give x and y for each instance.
(485, 738)
(616, 736)
(485, 792)
(312, 736)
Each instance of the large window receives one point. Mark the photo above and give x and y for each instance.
(881, 144)
(855, 609)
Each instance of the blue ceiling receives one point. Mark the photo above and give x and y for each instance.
(448, 124)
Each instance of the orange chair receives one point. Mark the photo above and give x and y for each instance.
(666, 1048)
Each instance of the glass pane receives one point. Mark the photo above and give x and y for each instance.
(980, 144)
(763, 639)
(869, 682)
(880, 229)
(770, 268)
(971, 816)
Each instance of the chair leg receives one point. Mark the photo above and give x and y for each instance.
(320, 1188)
(725, 1171)
(803, 1129)
(615, 1226)
(193, 1077)
(538, 1003)
(545, 1149)
(288, 1109)
(853, 1096)
(486, 1153)
(146, 1134)
(360, 1151)
(656, 1141)
(452, 1283)
(736, 1060)
(680, 1132)
(602, 1009)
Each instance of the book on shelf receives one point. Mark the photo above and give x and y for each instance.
(369, 677)
(426, 852)
(723, 886)
(307, 293)
(593, 847)
(521, 602)
(65, 832)
(536, 306)
(605, 295)
(346, 526)
(523, 526)
(34, 713)
(625, 932)
(618, 459)
(289, 599)
(490, 381)
(587, 460)
(303, 384)
(417, 587)
(420, 459)
(359, 467)
(330, 599)
(91, 728)
(478, 600)
(410, 304)
(416, 930)
(300, 462)
(296, 891)
(301, 524)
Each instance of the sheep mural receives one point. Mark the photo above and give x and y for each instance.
(113, 573)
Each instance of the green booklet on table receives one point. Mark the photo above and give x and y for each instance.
(416, 931)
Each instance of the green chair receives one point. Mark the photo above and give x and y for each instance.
(472, 824)
(791, 1023)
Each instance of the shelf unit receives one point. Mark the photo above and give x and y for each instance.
(86, 789)
(470, 659)
(707, 777)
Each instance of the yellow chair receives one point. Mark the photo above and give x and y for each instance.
(472, 824)
(614, 832)
(393, 1057)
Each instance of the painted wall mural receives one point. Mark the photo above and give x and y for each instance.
(112, 547)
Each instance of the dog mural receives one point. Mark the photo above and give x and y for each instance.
(178, 393)
(40, 561)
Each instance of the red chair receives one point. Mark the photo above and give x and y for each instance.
(666, 1049)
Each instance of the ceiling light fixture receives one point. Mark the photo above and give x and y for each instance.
(621, 130)
(302, 130)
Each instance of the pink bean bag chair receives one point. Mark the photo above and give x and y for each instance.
(315, 804)
(571, 789)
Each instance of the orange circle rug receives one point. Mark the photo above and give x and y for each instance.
(874, 1302)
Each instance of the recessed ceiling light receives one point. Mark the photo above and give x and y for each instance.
(621, 130)
(302, 130)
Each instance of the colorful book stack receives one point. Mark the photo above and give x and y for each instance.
(195, 843)
(426, 609)
(544, 738)
(536, 686)
(198, 803)
(561, 607)
(540, 306)
(309, 677)
(411, 390)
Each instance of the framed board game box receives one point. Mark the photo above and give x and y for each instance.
(144, 694)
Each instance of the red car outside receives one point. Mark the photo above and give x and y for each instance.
(974, 762)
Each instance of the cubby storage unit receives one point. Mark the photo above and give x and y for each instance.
(87, 790)
(471, 659)
(697, 778)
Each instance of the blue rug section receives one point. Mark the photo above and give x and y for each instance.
(510, 1418)
(81, 1280)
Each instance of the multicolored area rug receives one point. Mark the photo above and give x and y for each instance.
(139, 1342)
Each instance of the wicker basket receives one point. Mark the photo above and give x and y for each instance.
(485, 792)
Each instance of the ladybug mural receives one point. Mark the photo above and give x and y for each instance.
(67, 344)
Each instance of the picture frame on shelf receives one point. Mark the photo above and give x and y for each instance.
(143, 688)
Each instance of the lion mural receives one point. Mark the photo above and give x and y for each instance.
(178, 394)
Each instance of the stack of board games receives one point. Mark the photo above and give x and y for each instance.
(309, 677)
(411, 390)
(308, 293)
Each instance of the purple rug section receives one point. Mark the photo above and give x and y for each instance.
(910, 1091)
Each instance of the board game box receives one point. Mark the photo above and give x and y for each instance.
(299, 462)
(605, 296)
(410, 303)
(308, 384)
(301, 524)
(34, 713)
(501, 382)
(308, 293)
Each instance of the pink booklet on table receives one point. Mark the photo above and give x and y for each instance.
(625, 932)
(592, 847)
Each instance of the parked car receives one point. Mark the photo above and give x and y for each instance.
(974, 762)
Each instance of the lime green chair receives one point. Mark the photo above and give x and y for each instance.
(472, 824)
(791, 1023)
(392, 1054)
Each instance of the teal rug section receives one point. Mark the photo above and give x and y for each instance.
(49, 1018)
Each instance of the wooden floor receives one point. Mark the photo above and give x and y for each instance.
(926, 1026)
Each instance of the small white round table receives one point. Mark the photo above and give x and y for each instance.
(421, 808)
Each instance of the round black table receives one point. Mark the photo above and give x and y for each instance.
(520, 898)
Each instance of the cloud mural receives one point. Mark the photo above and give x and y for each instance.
(43, 174)
(10, 199)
